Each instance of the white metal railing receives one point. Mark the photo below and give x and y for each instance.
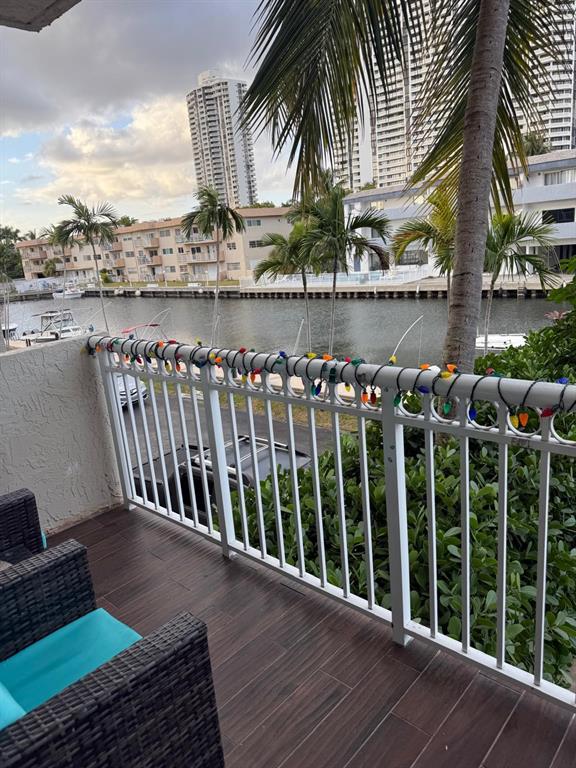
(182, 454)
(393, 276)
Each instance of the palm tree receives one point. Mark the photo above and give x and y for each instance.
(332, 235)
(126, 221)
(506, 253)
(535, 143)
(289, 256)
(30, 235)
(213, 217)
(50, 267)
(55, 237)
(319, 62)
(91, 224)
(436, 231)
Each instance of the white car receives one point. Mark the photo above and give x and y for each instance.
(134, 385)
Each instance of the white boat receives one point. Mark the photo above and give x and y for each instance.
(72, 292)
(498, 342)
(137, 292)
(119, 292)
(54, 325)
(10, 332)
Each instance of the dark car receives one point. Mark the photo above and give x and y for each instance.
(246, 472)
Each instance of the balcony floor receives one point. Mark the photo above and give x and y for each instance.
(303, 683)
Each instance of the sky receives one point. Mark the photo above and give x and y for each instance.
(95, 106)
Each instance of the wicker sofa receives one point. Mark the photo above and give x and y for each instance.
(152, 705)
(20, 533)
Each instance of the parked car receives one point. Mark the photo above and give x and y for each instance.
(245, 475)
(134, 385)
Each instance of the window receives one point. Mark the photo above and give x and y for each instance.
(231, 246)
(253, 222)
(234, 265)
(170, 269)
(195, 249)
(558, 216)
(256, 244)
(140, 254)
(560, 177)
(75, 258)
(183, 268)
(127, 237)
(153, 253)
(180, 250)
(166, 251)
(129, 254)
(164, 233)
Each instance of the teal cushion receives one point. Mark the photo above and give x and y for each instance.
(48, 666)
(44, 542)
(10, 710)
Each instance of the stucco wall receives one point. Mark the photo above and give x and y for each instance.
(55, 435)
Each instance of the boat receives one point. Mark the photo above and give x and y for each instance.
(498, 342)
(69, 292)
(119, 292)
(10, 331)
(55, 324)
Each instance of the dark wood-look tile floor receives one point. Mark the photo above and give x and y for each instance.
(304, 683)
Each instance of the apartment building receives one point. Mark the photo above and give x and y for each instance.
(399, 142)
(154, 251)
(548, 192)
(222, 148)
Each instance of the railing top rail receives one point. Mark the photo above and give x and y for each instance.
(387, 377)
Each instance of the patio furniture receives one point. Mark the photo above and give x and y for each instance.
(20, 532)
(151, 705)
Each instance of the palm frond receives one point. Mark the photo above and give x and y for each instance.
(315, 63)
(533, 31)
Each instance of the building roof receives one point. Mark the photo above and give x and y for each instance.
(174, 222)
(33, 15)
(561, 158)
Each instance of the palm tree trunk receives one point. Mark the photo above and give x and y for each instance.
(488, 312)
(307, 305)
(474, 188)
(99, 281)
(448, 285)
(217, 290)
(333, 309)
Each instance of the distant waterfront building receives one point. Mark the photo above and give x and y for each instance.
(223, 152)
(549, 192)
(399, 144)
(157, 251)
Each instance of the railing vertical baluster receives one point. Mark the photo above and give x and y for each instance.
(135, 436)
(341, 505)
(201, 457)
(542, 562)
(238, 466)
(173, 451)
(160, 443)
(317, 494)
(185, 441)
(465, 528)
(219, 462)
(295, 490)
(502, 544)
(274, 478)
(431, 514)
(366, 511)
(115, 415)
(397, 518)
(256, 473)
(141, 405)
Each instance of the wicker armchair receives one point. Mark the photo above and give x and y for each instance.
(151, 706)
(20, 533)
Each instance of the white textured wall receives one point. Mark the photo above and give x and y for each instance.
(55, 435)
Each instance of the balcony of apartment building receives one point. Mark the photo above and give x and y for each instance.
(116, 247)
(278, 500)
(151, 242)
(155, 261)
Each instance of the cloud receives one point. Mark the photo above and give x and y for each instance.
(14, 160)
(149, 159)
(31, 177)
(103, 58)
